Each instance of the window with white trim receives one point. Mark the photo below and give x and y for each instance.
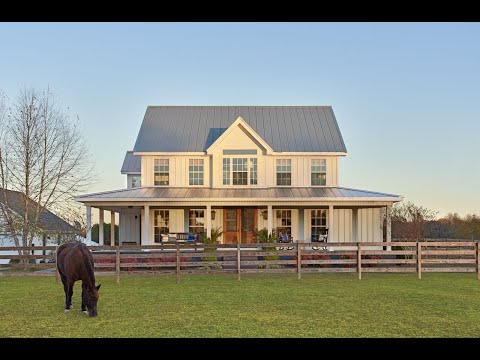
(195, 171)
(136, 181)
(161, 172)
(318, 172)
(284, 172)
(284, 221)
(226, 171)
(318, 222)
(243, 171)
(160, 224)
(196, 222)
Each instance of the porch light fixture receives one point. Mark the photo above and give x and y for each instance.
(213, 214)
(265, 214)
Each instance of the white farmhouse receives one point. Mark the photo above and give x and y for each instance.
(241, 169)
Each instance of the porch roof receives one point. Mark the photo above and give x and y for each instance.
(185, 194)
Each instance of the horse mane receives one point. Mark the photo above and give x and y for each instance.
(88, 264)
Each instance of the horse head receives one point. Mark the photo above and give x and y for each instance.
(90, 298)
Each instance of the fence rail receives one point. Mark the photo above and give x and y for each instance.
(182, 258)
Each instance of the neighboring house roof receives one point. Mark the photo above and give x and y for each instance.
(195, 128)
(48, 221)
(291, 193)
(131, 164)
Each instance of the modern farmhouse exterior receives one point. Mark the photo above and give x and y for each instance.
(241, 169)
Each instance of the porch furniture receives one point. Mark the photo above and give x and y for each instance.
(321, 237)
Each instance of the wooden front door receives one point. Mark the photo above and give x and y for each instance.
(239, 225)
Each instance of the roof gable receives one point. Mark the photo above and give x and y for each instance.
(196, 128)
(241, 124)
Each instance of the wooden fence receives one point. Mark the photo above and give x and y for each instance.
(300, 258)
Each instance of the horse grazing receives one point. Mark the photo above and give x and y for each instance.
(75, 262)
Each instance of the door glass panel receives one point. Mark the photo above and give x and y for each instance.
(231, 217)
(248, 221)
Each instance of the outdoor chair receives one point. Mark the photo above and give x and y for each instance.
(321, 237)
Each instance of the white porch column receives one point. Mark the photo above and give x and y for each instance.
(388, 215)
(270, 219)
(146, 225)
(354, 225)
(101, 239)
(209, 221)
(88, 225)
(112, 228)
(330, 223)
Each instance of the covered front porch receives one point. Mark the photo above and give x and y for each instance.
(146, 214)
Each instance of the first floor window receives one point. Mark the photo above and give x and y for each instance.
(161, 171)
(160, 224)
(319, 172)
(284, 221)
(318, 223)
(196, 221)
(195, 171)
(284, 172)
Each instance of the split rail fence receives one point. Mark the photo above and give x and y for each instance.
(300, 258)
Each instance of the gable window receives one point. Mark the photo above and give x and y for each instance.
(318, 223)
(226, 171)
(243, 171)
(161, 170)
(160, 224)
(136, 181)
(195, 171)
(284, 172)
(319, 172)
(239, 174)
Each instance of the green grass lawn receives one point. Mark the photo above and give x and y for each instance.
(260, 305)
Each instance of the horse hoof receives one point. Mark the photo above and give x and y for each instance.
(67, 311)
(85, 312)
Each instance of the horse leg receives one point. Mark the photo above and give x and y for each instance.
(65, 288)
(68, 305)
(84, 308)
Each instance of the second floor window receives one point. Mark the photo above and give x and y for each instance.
(195, 172)
(161, 171)
(284, 172)
(243, 171)
(136, 181)
(319, 172)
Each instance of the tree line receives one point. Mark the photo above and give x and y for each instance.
(413, 222)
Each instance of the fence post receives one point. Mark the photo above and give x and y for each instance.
(178, 264)
(56, 265)
(478, 261)
(359, 260)
(238, 261)
(419, 259)
(299, 261)
(117, 264)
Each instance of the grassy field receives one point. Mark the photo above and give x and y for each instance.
(319, 305)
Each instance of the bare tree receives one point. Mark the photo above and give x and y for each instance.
(408, 220)
(42, 156)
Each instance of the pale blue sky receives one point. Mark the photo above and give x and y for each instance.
(406, 95)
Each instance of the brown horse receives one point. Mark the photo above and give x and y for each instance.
(75, 262)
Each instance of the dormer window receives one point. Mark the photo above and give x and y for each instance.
(161, 172)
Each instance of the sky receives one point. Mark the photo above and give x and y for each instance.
(405, 95)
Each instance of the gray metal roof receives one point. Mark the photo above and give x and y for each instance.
(195, 128)
(131, 164)
(179, 194)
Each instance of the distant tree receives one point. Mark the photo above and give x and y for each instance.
(106, 233)
(408, 221)
(43, 156)
(467, 227)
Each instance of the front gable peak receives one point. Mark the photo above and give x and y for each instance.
(239, 123)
